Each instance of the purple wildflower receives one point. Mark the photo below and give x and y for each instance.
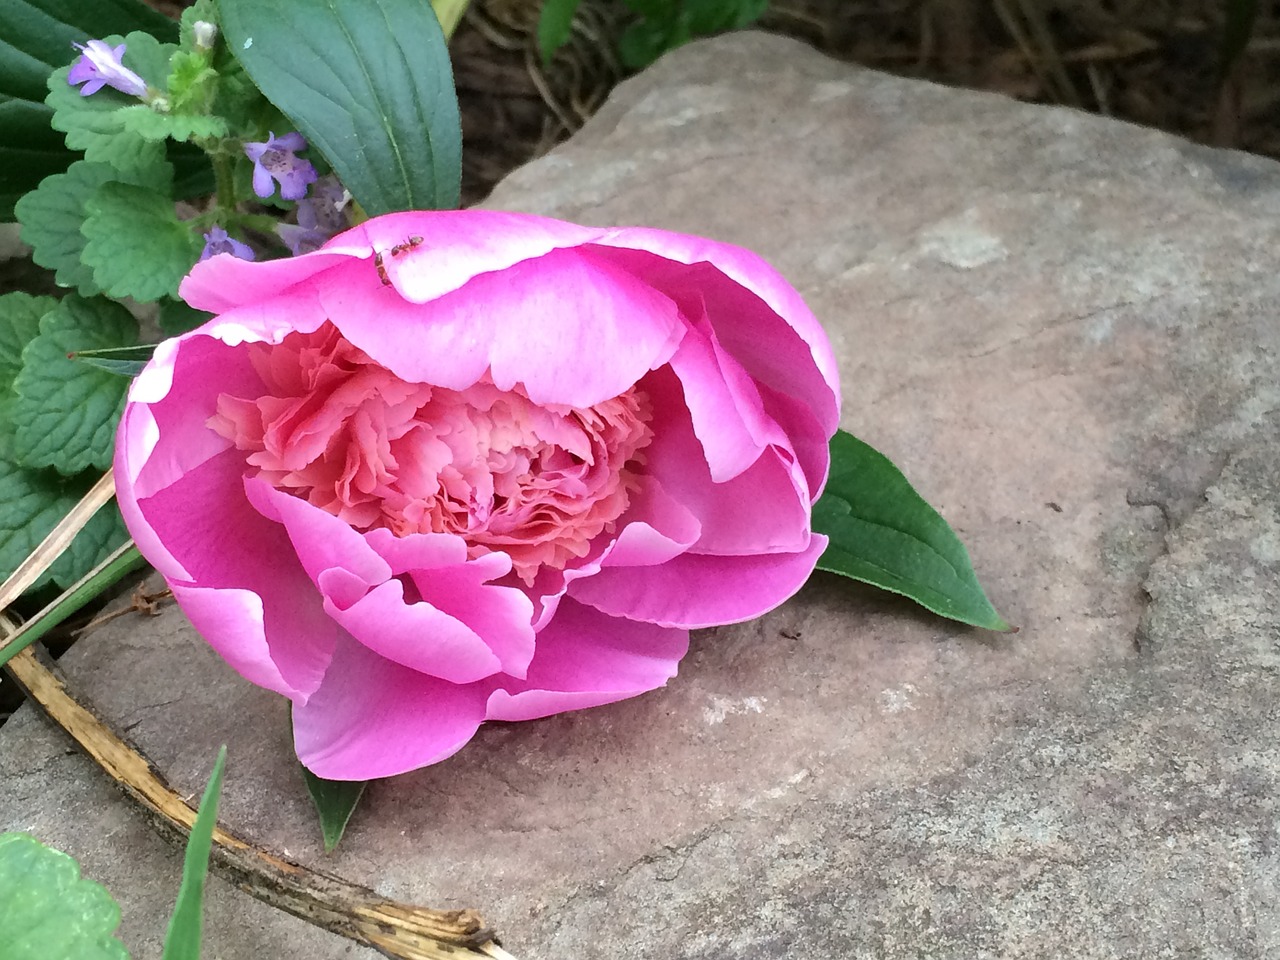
(218, 241)
(322, 214)
(99, 66)
(276, 160)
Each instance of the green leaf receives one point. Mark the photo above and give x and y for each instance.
(122, 361)
(136, 244)
(368, 82)
(152, 125)
(20, 315)
(335, 801)
(30, 150)
(182, 941)
(32, 502)
(65, 413)
(554, 25)
(52, 215)
(48, 911)
(176, 317)
(191, 82)
(883, 533)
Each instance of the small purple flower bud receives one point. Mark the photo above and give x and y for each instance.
(276, 160)
(218, 241)
(99, 66)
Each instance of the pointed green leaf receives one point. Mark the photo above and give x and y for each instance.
(368, 82)
(182, 941)
(135, 242)
(65, 413)
(48, 911)
(122, 361)
(52, 215)
(883, 533)
(335, 801)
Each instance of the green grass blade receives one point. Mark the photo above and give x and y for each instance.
(119, 565)
(182, 942)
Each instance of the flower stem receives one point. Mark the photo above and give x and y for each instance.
(223, 166)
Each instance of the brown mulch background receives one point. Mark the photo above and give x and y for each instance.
(1153, 62)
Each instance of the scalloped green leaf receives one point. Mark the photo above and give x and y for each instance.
(65, 413)
(48, 911)
(883, 533)
(96, 124)
(135, 242)
(52, 216)
(20, 315)
(152, 125)
(32, 502)
(35, 40)
(370, 86)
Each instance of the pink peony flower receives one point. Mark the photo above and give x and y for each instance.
(466, 466)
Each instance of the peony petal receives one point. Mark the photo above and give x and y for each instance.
(225, 282)
(723, 402)
(320, 540)
(531, 325)
(372, 717)
(464, 589)
(656, 527)
(453, 246)
(757, 275)
(585, 659)
(416, 635)
(765, 509)
(234, 624)
(192, 372)
(450, 350)
(696, 590)
(784, 350)
(207, 525)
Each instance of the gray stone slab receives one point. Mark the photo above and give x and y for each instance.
(1064, 330)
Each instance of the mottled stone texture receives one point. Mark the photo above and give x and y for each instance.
(1064, 330)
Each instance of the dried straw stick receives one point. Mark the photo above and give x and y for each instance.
(399, 930)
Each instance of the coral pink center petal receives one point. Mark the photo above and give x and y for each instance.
(536, 482)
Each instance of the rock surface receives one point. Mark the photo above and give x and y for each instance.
(1063, 329)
